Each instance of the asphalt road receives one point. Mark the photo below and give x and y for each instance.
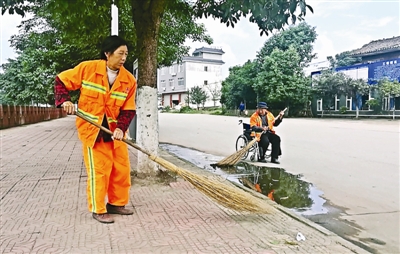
(354, 162)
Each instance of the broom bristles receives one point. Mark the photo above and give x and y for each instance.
(224, 194)
(235, 157)
(218, 190)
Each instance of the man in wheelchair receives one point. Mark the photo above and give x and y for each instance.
(262, 124)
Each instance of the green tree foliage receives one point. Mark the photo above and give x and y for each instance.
(354, 88)
(326, 86)
(273, 79)
(198, 96)
(281, 80)
(147, 16)
(389, 88)
(55, 43)
(331, 83)
(237, 86)
(343, 59)
(23, 83)
(300, 37)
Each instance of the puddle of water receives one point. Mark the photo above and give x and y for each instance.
(284, 188)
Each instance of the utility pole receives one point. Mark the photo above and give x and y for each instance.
(114, 19)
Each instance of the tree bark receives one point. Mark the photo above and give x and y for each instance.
(394, 108)
(147, 16)
(357, 113)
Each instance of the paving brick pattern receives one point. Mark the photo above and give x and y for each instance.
(44, 209)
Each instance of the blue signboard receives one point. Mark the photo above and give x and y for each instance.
(379, 70)
(389, 69)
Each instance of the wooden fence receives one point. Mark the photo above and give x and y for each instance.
(11, 116)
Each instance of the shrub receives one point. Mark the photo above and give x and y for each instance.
(375, 105)
(223, 110)
(185, 109)
(343, 109)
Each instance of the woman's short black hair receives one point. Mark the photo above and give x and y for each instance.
(110, 44)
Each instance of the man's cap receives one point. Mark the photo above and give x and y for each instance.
(262, 105)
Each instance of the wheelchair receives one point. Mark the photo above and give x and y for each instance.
(244, 139)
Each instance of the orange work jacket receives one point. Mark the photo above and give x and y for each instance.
(96, 99)
(255, 120)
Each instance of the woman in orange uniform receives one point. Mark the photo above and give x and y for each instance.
(107, 96)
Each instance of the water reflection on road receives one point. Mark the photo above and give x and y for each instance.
(284, 188)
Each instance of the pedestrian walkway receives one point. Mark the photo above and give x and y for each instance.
(43, 208)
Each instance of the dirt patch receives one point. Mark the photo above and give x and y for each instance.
(161, 177)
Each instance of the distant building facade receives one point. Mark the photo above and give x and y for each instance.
(380, 59)
(203, 69)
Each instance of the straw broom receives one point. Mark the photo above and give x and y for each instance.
(220, 191)
(232, 159)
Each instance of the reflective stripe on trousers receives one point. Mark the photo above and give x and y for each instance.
(108, 172)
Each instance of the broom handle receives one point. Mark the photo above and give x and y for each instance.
(109, 132)
(283, 112)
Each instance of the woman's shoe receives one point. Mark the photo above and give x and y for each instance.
(103, 217)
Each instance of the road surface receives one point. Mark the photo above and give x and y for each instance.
(354, 162)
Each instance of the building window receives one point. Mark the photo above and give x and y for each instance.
(374, 92)
(180, 68)
(205, 68)
(171, 69)
(171, 82)
(205, 82)
(162, 82)
(163, 71)
(348, 103)
(319, 105)
(337, 103)
(181, 82)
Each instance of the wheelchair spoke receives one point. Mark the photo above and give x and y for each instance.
(242, 142)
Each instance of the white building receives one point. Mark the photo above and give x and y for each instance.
(203, 68)
(316, 66)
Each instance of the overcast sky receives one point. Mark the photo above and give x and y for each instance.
(341, 25)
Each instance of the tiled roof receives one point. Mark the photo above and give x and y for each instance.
(378, 45)
(200, 59)
(209, 50)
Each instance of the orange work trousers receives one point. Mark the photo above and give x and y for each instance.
(108, 172)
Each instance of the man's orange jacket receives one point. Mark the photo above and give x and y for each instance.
(255, 120)
(96, 99)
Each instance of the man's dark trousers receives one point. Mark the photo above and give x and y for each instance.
(275, 140)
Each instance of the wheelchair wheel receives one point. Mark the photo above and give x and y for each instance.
(268, 153)
(242, 142)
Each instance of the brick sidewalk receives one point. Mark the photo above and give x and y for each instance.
(43, 208)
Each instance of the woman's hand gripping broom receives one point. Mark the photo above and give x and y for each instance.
(223, 193)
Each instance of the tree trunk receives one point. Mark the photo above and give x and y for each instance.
(147, 19)
(357, 113)
(394, 108)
